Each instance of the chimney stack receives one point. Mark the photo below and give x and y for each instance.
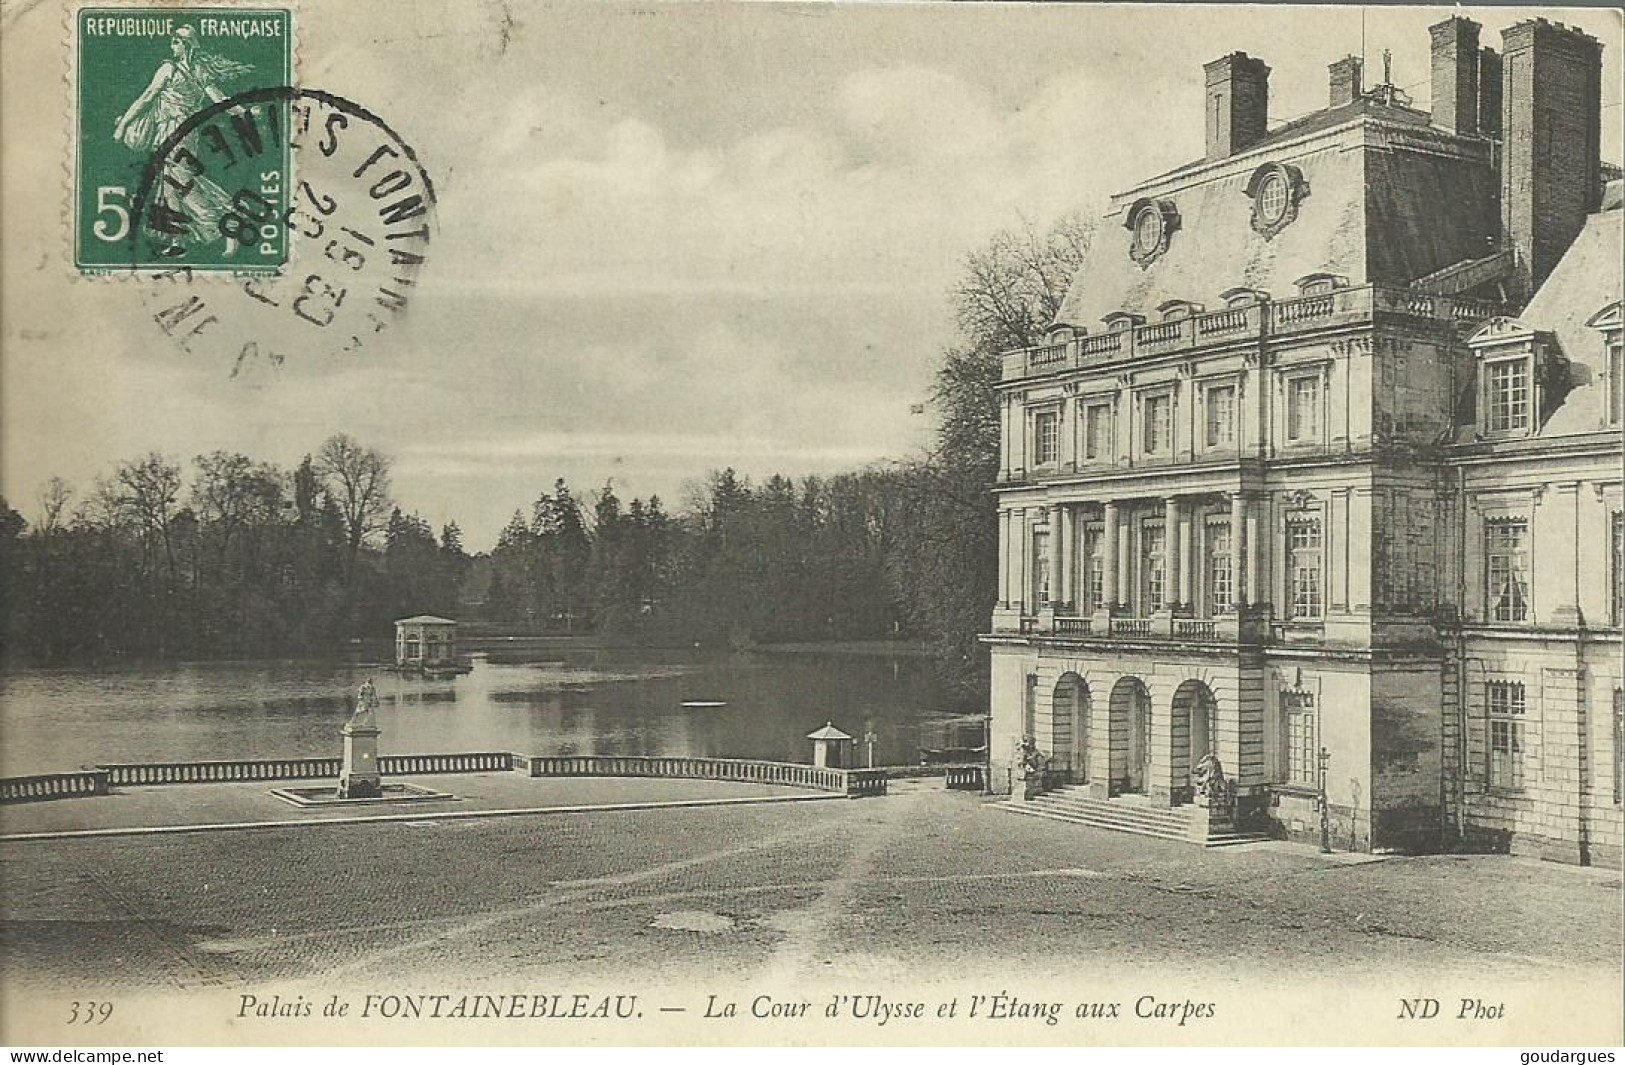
(1551, 128)
(1238, 89)
(1345, 80)
(1455, 74)
(1489, 92)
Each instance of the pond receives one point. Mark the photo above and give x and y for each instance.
(552, 700)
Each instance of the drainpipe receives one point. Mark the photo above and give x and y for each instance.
(1461, 655)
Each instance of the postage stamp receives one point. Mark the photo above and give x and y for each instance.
(359, 216)
(141, 75)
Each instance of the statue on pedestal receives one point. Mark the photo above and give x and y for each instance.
(359, 777)
(366, 706)
(1030, 764)
(1213, 788)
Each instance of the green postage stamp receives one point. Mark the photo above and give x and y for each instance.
(182, 140)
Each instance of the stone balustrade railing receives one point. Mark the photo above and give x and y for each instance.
(966, 777)
(746, 771)
(239, 770)
(1276, 318)
(865, 782)
(140, 774)
(1196, 629)
(54, 786)
(401, 765)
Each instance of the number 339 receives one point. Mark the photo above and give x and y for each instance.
(90, 1012)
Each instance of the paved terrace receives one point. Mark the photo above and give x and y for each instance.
(221, 805)
(864, 894)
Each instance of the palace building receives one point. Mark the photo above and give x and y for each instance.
(1318, 473)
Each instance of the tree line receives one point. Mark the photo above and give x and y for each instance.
(230, 556)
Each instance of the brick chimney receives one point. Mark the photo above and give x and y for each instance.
(1455, 74)
(1238, 94)
(1551, 127)
(1345, 80)
(1489, 92)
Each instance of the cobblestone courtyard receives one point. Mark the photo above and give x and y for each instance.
(920, 884)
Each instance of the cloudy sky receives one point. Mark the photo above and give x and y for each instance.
(672, 236)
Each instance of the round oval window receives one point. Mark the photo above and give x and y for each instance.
(1148, 229)
(1272, 198)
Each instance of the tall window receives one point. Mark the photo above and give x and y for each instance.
(1616, 563)
(1096, 426)
(1504, 704)
(1046, 437)
(1616, 378)
(1152, 566)
(1619, 746)
(1303, 565)
(1093, 569)
(1303, 408)
(1041, 548)
(1506, 570)
(1156, 414)
(1221, 415)
(1298, 709)
(1506, 395)
(1220, 591)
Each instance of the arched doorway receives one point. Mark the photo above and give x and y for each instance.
(1071, 725)
(1130, 711)
(1193, 735)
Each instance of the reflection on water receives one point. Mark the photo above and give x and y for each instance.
(591, 702)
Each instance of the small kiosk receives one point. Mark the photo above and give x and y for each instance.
(832, 748)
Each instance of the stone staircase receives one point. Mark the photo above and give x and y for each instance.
(1125, 813)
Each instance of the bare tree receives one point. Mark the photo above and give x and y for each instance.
(358, 480)
(144, 492)
(1013, 287)
(946, 567)
(54, 496)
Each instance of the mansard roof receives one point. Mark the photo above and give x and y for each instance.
(1381, 197)
(1574, 304)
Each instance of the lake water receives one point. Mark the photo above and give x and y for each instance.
(572, 701)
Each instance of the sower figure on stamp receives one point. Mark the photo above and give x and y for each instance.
(182, 86)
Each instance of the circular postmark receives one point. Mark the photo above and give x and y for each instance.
(318, 214)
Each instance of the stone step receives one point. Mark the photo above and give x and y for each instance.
(1173, 823)
(1029, 810)
(1127, 809)
(1116, 815)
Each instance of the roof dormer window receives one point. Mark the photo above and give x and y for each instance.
(1320, 284)
(1119, 321)
(1610, 322)
(1177, 310)
(1151, 223)
(1276, 190)
(1520, 377)
(1148, 226)
(1243, 296)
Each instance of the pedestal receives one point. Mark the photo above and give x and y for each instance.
(1027, 787)
(359, 779)
(1206, 819)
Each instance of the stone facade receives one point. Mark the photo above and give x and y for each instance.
(1306, 482)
